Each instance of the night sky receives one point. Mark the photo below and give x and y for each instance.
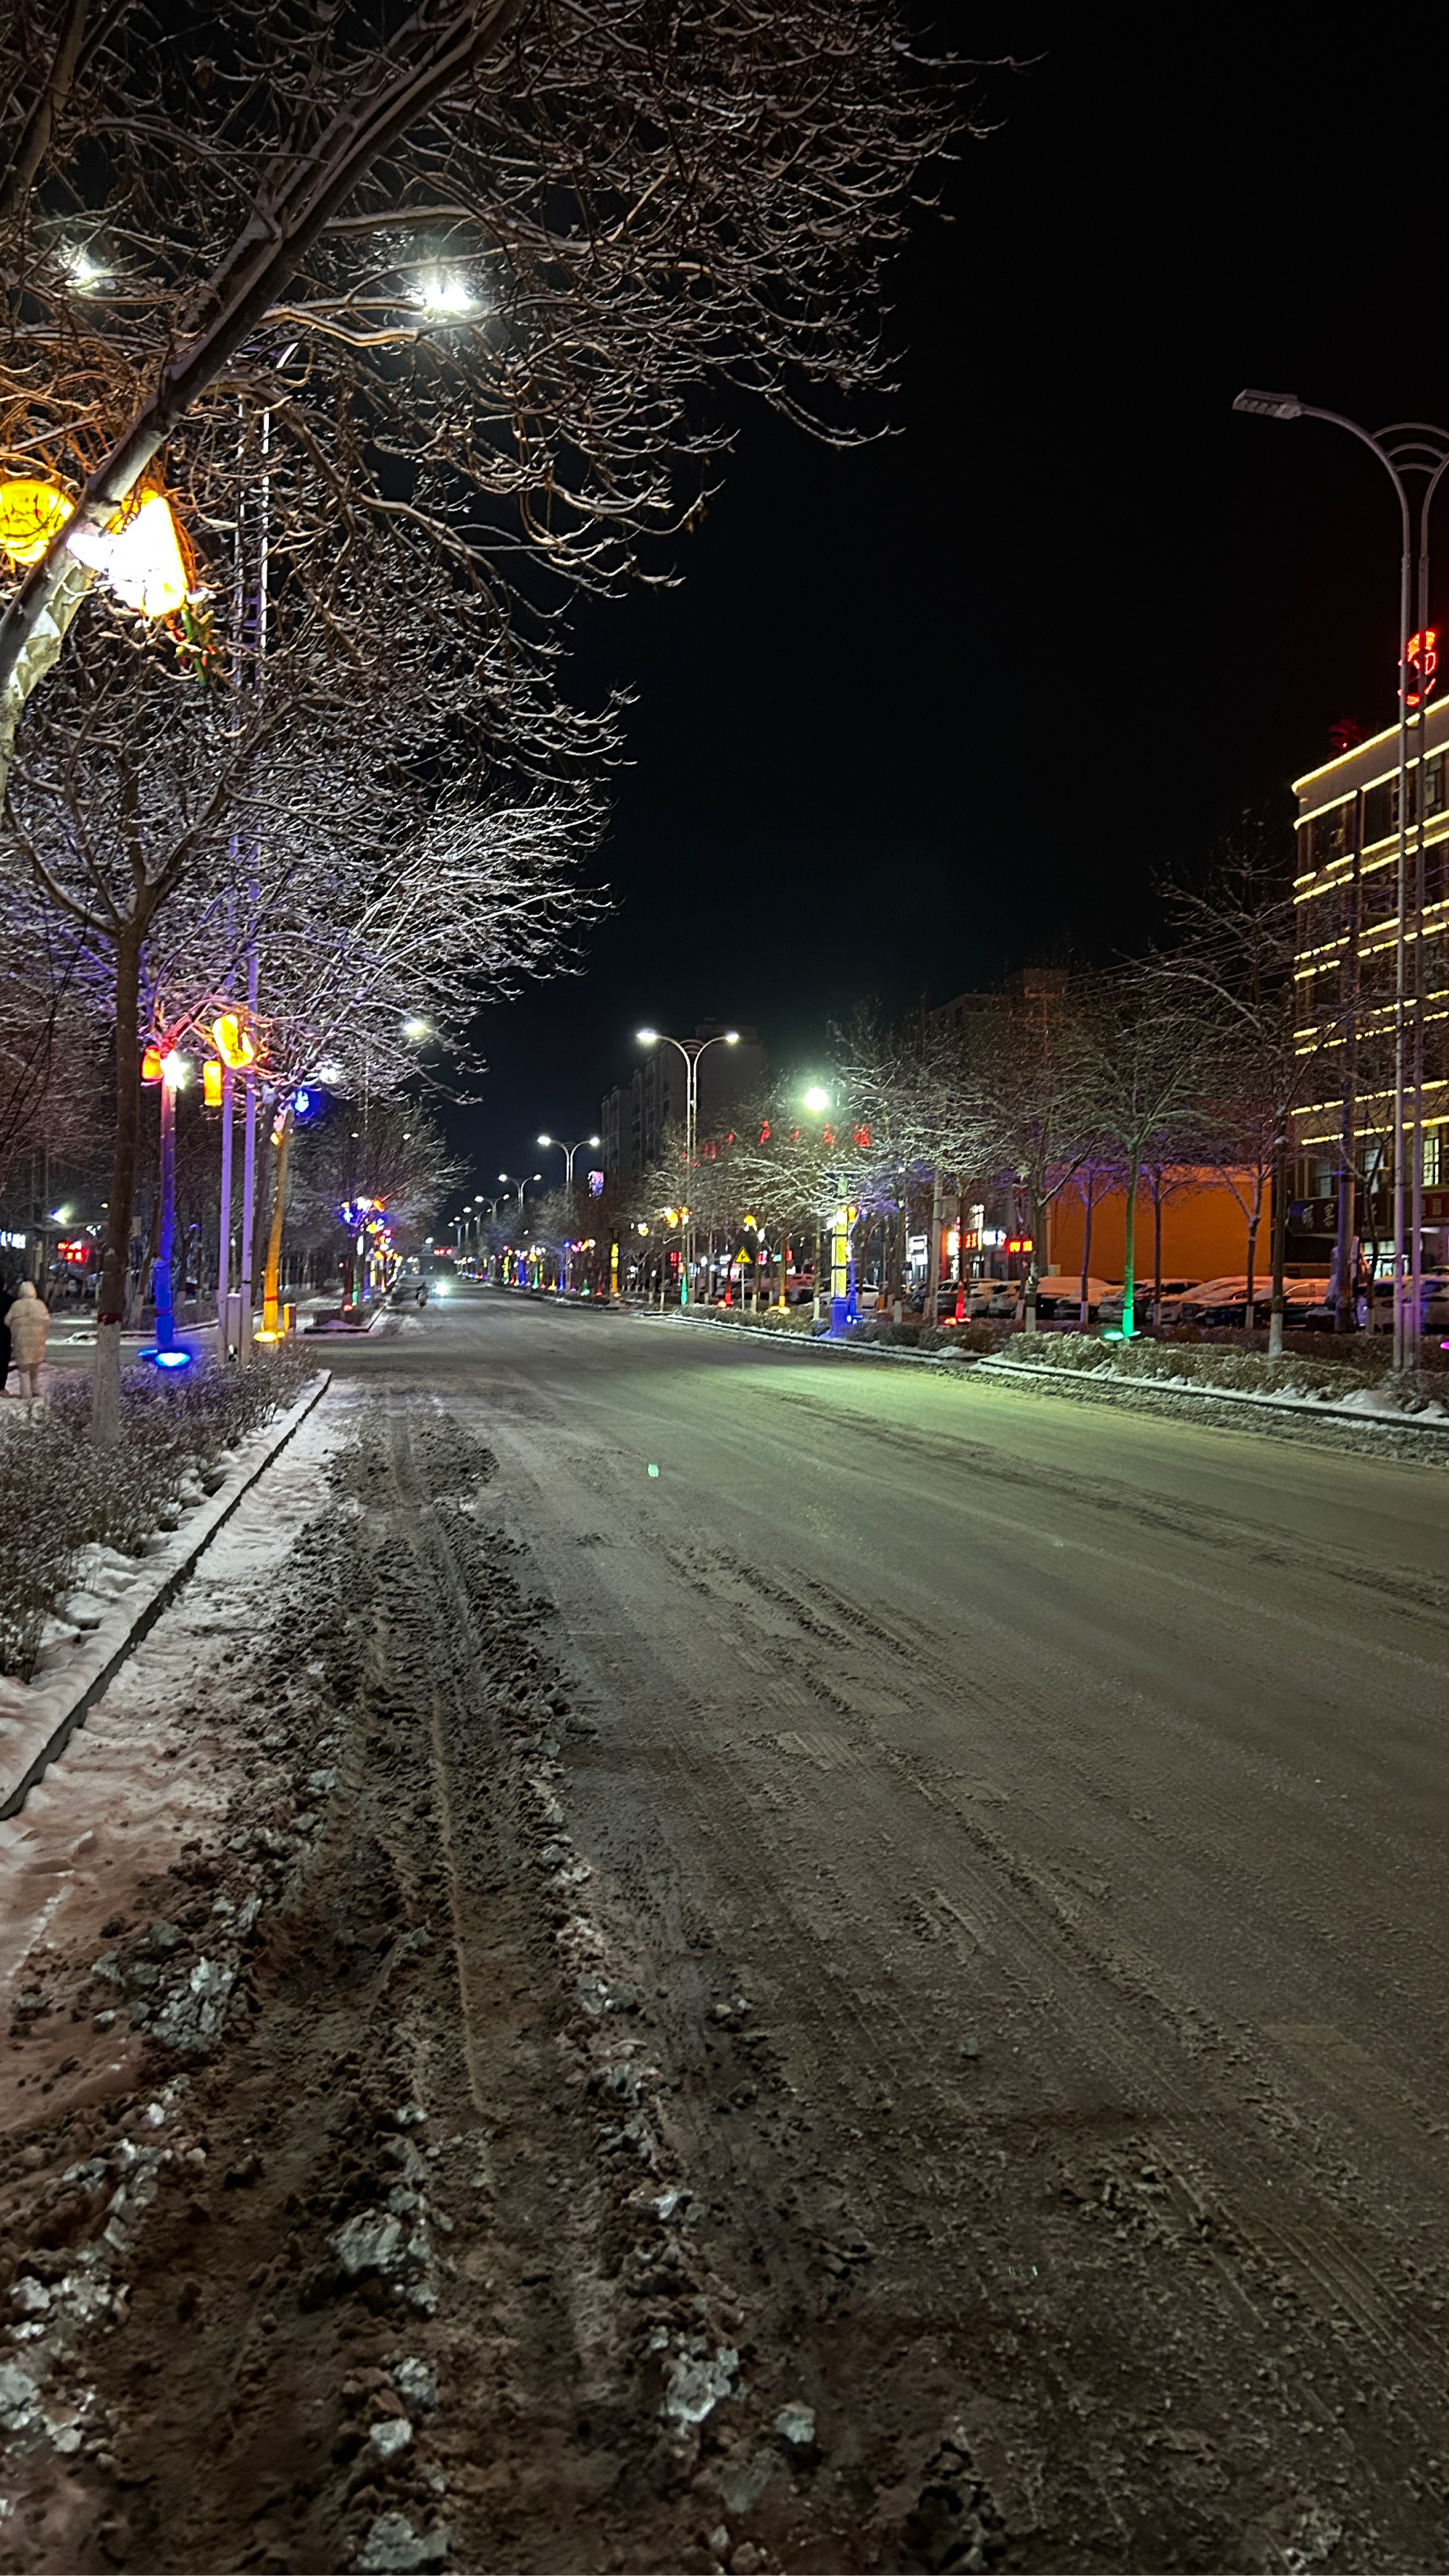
(952, 704)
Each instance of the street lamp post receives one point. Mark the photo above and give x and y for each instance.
(842, 1300)
(691, 1049)
(568, 1152)
(512, 1183)
(1406, 449)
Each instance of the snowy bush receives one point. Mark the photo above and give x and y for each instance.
(1237, 1371)
(1059, 1350)
(58, 1495)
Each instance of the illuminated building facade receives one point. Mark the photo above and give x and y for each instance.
(1346, 895)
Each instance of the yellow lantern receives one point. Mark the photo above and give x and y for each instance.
(211, 1079)
(30, 515)
(151, 1064)
(144, 565)
(232, 1040)
(139, 554)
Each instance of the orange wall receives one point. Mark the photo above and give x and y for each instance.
(1204, 1232)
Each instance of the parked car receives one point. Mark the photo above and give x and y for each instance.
(1222, 1301)
(1059, 1296)
(976, 1302)
(408, 1292)
(1143, 1293)
(1322, 1316)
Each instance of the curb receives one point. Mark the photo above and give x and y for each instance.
(62, 1706)
(1295, 1408)
(821, 1343)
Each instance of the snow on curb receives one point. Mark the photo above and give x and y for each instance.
(762, 1336)
(37, 1721)
(1365, 1407)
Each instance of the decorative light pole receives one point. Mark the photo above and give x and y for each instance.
(1406, 449)
(691, 1049)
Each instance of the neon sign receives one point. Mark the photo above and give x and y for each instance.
(1421, 665)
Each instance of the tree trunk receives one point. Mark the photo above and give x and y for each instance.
(1129, 1250)
(111, 1293)
(933, 1251)
(1089, 1197)
(1280, 1240)
(1253, 1224)
(1157, 1247)
(1033, 1268)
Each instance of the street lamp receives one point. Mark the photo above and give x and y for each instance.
(691, 1049)
(1406, 448)
(511, 1183)
(568, 1152)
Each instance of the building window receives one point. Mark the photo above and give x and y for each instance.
(1330, 834)
(1376, 974)
(1379, 811)
(1434, 1160)
(1434, 785)
(1380, 898)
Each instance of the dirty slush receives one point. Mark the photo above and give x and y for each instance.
(376, 2250)
(387, 2184)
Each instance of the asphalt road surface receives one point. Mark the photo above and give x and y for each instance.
(1064, 1791)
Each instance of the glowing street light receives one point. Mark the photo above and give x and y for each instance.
(568, 1152)
(691, 1049)
(416, 1030)
(445, 295)
(817, 1100)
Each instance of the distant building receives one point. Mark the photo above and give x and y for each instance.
(1346, 893)
(635, 1116)
(1035, 987)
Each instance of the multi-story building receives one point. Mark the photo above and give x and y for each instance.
(635, 1116)
(1347, 897)
(1031, 988)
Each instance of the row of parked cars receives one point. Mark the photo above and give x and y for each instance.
(1197, 1301)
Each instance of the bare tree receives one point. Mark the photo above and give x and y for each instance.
(185, 842)
(52, 1071)
(1026, 1080)
(385, 1149)
(1146, 1067)
(460, 271)
(1233, 964)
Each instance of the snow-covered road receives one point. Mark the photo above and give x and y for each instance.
(912, 1937)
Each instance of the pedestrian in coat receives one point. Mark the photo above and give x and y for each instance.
(29, 1322)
